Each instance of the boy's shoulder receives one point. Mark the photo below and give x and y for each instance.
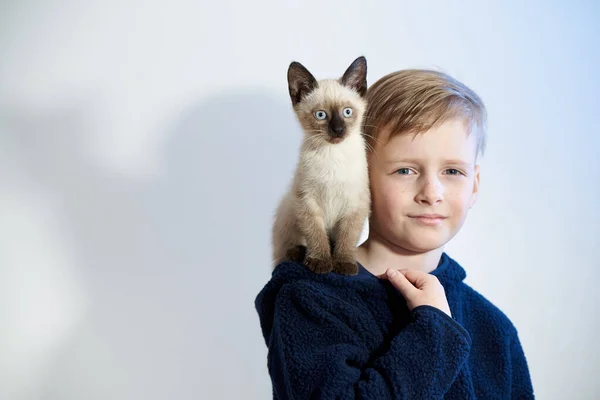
(477, 310)
(295, 281)
(296, 292)
(480, 311)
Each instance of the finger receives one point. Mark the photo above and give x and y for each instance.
(415, 277)
(400, 282)
(384, 275)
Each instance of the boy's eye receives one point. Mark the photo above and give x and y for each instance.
(403, 171)
(453, 171)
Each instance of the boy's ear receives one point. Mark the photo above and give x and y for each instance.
(475, 186)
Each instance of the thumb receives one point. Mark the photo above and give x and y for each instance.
(400, 282)
(417, 278)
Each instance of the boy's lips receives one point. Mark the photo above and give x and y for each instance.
(428, 219)
(427, 216)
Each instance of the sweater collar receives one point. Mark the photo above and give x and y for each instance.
(448, 272)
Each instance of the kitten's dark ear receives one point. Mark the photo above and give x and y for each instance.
(355, 76)
(300, 82)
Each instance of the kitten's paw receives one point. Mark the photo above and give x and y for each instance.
(318, 266)
(345, 267)
(296, 253)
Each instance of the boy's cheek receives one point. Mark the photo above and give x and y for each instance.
(460, 203)
(395, 205)
(461, 191)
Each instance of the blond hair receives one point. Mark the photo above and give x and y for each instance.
(416, 100)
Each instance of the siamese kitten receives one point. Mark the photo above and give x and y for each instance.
(320, 219)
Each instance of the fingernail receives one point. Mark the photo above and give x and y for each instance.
(391, 273)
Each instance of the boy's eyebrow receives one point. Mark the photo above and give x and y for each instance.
(416, 161)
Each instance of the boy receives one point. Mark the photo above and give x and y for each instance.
(420, 333)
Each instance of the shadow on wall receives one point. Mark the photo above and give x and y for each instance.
(166, 268)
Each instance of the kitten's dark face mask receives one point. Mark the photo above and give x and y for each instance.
(334, 120)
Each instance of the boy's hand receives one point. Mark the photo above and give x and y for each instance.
(418, 288)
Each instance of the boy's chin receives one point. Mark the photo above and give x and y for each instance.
(423, 245)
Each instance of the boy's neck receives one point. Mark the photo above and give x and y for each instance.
(377, 255)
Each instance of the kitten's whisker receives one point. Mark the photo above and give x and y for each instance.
(372, 137)
(308, 139)
(369, 125)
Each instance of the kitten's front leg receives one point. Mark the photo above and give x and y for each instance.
(296, 253)
(312, 226)
(347, 232)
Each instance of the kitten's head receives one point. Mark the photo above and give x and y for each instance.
(329, 109)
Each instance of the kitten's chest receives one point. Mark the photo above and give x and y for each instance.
(341, 168)
(337, 180)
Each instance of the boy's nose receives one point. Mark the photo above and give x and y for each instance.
(431, 192)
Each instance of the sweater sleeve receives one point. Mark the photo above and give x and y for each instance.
(521, 387)
(314, 354)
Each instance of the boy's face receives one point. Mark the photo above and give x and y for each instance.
(415, 177)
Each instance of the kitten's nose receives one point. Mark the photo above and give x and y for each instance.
(338, 130)
(336, 126)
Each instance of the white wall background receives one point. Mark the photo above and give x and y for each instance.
(144, 145)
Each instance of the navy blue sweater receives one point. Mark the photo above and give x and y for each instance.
(332, 336)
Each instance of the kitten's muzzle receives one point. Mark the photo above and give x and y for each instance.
(336, 131)
(336, 137)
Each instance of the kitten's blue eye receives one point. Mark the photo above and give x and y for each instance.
(320, 114)
(347, 112)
